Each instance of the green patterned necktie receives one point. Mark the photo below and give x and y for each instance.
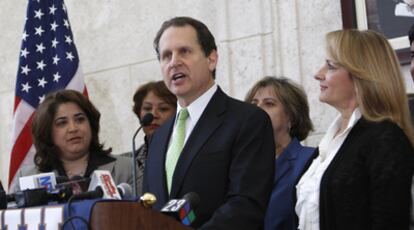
(176, 147)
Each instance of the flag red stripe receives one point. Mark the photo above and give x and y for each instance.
(21, 148)
(16, 102)
(85, 92)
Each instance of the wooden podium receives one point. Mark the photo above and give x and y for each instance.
(130, 215)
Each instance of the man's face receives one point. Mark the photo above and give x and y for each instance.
(186, 70)
(412, 60)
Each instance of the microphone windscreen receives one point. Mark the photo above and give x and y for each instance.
(193, 198)
(182, 209)
(125, 190)
(147, 119)
(93, 194)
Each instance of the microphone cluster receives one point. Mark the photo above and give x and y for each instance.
(43, 188)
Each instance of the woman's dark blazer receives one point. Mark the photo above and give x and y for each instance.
(368, 183)
(288, 166)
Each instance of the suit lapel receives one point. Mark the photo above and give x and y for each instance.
(158, 153)
(286, 160)
(282, 167)
(209, 121)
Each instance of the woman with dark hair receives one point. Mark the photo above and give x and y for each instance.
(65, 132)
(286, 104)
(154, 98)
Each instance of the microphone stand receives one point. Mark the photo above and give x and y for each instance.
(146, 120)
(134, 164)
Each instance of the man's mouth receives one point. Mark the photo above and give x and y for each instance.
(177, 76)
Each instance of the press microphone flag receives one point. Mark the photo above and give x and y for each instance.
(42, 180)
(182, 209)
(103, 179)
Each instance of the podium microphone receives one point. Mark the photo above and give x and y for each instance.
(145, 121)
(3, 197)
(34, 190)
(125, 190)
(182, 209)
(62, 192)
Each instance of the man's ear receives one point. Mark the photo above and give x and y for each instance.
(212, 60)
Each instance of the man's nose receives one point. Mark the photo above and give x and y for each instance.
(176, 60)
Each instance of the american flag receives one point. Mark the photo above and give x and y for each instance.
(48, 62)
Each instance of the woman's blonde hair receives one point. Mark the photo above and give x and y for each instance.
(376, 73)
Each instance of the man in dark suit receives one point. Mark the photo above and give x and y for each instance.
(228, 151)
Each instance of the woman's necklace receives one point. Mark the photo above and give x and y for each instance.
(76, 167)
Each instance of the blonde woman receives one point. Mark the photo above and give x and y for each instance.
(361, 177)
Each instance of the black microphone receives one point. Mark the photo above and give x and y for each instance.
(31, 197)
(3, 197)
(6, 198)
(124, 189)
(63, 191)
(145, 121)
(97, 193)
(182, 209)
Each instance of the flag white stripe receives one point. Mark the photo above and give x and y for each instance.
(21, 116)
(77, 82)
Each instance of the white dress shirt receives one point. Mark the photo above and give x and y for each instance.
(195, 109)
(308, 188)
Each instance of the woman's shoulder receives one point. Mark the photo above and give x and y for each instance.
(118, 161)
(303, 150)
(121, 158)
(26, 170)
(379, 129)
(121, 169)
(383, 141)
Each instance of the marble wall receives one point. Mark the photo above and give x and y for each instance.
(114, 40)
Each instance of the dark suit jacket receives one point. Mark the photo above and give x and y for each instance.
(368, 183)
(280, 213)
(227, 160)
